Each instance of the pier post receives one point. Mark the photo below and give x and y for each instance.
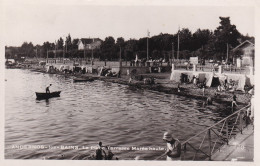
(240, 122)
(209, 137)
(227, 130)
(251, 71)
(194, 67)
(220, 69)
(173, 67)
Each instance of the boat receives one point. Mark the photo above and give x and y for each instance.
(82, 79)
(40, 95)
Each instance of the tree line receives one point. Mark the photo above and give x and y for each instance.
(203, 43)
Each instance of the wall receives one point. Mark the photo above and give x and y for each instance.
(248, 55)
(139, 70)
(81, 46)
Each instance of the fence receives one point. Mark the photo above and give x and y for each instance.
(204, 144)
(179, 64)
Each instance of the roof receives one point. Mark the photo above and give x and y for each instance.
(89, 40)
(244, 43)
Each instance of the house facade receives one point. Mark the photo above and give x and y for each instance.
(248, 53)
(89, 43)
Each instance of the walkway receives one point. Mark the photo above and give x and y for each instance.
(239, 149)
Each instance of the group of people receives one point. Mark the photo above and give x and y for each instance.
(173, 149)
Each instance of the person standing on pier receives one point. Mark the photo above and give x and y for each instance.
(179, 88)
(173, 151)
(234, 101)
(48, 89)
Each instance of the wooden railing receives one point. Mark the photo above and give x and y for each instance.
(204, 144)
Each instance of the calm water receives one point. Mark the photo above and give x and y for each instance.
(87, 113)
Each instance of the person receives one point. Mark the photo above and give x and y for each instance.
(203, 90)
(179, 89)
(100, 153)
(225, 82)
(234, 101)
(209, 101)
(250, 110)
(173, 151)
(48, 89)
(109, 153)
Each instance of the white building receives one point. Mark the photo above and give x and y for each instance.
(89, 43)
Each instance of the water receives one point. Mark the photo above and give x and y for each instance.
(89, 112)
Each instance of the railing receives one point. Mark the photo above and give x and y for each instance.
(204, 144)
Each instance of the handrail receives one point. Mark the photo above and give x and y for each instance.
(215, 124)
(215, 134)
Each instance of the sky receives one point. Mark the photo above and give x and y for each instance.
(40, 21)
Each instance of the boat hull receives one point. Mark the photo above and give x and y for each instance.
(83, 79)
(40, 96)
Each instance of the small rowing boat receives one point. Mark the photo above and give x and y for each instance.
(82, 79)
(40, 95)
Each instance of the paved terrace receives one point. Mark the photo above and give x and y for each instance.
(240, 148)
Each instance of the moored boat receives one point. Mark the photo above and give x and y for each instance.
(82, 79)
(40, 95)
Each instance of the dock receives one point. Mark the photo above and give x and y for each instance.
(240, 148)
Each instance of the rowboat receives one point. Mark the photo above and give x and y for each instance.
(82, 79)
(40, 95)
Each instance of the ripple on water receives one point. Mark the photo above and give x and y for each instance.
(87, 113)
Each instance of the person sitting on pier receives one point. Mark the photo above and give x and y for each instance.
(48, 89)
(173, 151)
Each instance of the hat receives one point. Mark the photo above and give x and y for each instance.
(167, 136)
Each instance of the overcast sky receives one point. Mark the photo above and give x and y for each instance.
(39, 22)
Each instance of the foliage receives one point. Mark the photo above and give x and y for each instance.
(202, 43)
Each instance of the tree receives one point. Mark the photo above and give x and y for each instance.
(200, 38)
(28, 49)
(130, 49)
(60, 43)
(120, 41)
(68, 42)
(185, 37)
(108, 49)
(225, 34)
(75, 43)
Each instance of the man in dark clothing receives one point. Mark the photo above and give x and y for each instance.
(47, 89)
(100, 153)
(234, 102)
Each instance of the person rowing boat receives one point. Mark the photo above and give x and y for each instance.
(48, 89)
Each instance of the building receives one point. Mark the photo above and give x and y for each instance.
(89, 43)
(247, 49)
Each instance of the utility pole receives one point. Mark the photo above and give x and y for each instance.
(120, 59)
(227, 53)
(66, 46)
(63, 55)
(172, 52)
(92, 56)
(47, 55)
(36, 53)
(148, 34)
(55, 48)
(178, 44)
(84, 50)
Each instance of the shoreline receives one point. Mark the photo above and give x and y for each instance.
(165, 85)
